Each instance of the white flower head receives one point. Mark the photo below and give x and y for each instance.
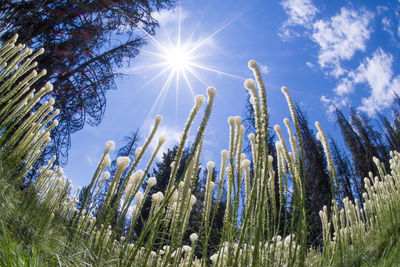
(245, 163)
(277, 129)
(249, 84)
(286, 121)
(238, 120)
(278, 145)
(211, 91)
(187, 249)
(161, 140)
(174, 196)
(123, 162)
(157, 197)
(152, 181)
(193, 237)
(48, 86)
(199, 100)
(139, 197)
(214, 258)
(192, 200)
(252, 64)
(110, 145)
(210, 165)
(231, 120)
(252, 137)
(158, 119)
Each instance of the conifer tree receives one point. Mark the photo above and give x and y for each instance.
(349, 184)
(371, 139)
(354, 144)
(318, 185)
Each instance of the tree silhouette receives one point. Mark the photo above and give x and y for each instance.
(318, 184)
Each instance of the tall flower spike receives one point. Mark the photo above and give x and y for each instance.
(322, 138)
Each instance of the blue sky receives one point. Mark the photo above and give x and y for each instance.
(324, 52)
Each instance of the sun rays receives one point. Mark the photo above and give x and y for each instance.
(176, 58)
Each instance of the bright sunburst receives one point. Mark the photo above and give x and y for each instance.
(178, 60)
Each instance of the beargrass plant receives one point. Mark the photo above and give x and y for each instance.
(42, 224)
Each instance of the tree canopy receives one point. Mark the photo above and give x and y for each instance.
(85, 43)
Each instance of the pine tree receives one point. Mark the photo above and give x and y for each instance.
(354, 144)
(371, 139)
(318, 184)
(349, 185)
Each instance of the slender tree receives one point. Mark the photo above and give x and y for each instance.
(318, 185)
(349, 185)
(354, 144)
(371, 139)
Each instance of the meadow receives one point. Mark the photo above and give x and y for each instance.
(44, 224)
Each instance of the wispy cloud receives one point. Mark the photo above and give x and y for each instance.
(264, 69)
(340, 37)
(300, 13)
(377, 73)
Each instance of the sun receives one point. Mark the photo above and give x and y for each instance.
(178, 59)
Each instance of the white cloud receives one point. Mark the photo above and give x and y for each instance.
(340, 37)
(345, 86)
(264, 69)
(300, 12)
(382, 9)
(377, 73)
(310, 65)
(387, 25)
